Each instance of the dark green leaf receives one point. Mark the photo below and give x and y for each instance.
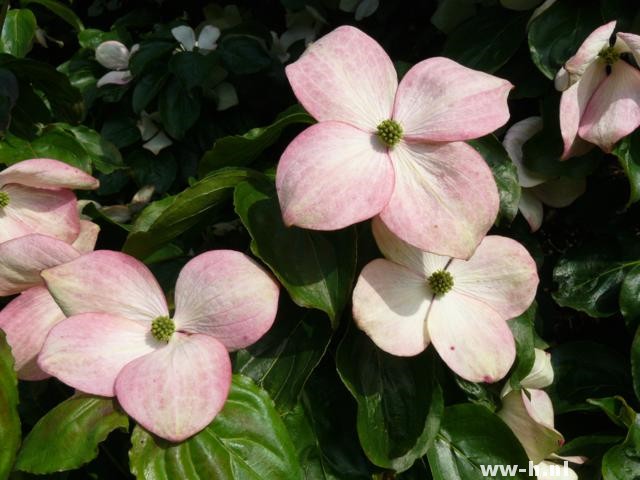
(68, 436)
(192, 68)
(149, 55)
(622, 462)
(316, 268)
(179, 108)
(556, 34)
(247, 440)
(505, 174)
(148, 87)
(523, 331)
(121, 131)
(470, 436)
(628, 153)
(630, 297)
(584, 370)
(166, 219)
(17, 32)
(589, 277)
(65, 101)
(488, 39)
(635, 362)
(244, 54)
(61, 10)
(282, 360)
(616, 408)
(91, 37)
(157, 170)
(399, 400)
(9, 419)
(242, 150)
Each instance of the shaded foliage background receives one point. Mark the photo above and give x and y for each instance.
(315, 398)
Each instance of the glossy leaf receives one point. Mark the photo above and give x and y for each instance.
(584, 370)
(399, 400)
(617, 409)
(630, 297)
(244, 54)
(17, 32)
(556, 34)
(61, 10)
(589, 278)
(487, 40)
(470, 436)
(282, 360)
(628, 153)
(622, 462)
(68, 436)
(317, 268)
(242, 150)
(523, 331)
(246, 440)
(9, 420)
(165, 219)
(179, 108)
(505, 175)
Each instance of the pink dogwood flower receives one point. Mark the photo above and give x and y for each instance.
(529, 414)
(389, 149)
(537, 189)
(413, 298)
(27, 319)
(600, 102)
(35, 197)
(172, 374)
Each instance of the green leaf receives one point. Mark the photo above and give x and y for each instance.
(179, 108)
(317, 268)
(282, 360)
(244, 54)
(523, 331)
(470, 436)
(635, 362)
(157, 170)
(616, 408)
(400, 401)
(68, 436)
(148, 87)
(628, 153)
(92, 37)
(149, 55)
(584, 370)
(622, 462)
(192, 68)
(556, 34)
(246, 440)
(64, 100)
(166, 219)
(488, 39)
(505, 175)
(630, 297)
(589, 278)
(242, 150)
(59, 9)
(9, 419)
(17, 32)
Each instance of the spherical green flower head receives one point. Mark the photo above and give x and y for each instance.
(609, 55)
(162, 328)
(440, 282)
(389, 132)
(4, 199)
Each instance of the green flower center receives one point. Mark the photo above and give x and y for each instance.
(162, 328)
(609, 55)
(389, 132)
(4, 199)
(440, 282)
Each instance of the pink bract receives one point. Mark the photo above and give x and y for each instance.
(27, 319)
(36, 197)
(429, 188)
(601, 99)
(394, 304)
(173, 385)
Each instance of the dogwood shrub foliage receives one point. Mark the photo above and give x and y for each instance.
(320, 239)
